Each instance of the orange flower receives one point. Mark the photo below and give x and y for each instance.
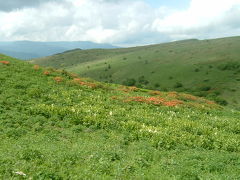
(154, 100)
(114, 97)
(36, 67)
(46, 73)
(5, 62)
(210, 102)
(172, 103)
(189, 97)
(58, 79)
(172, 94)
(133, 88)
(76, 79)
(155, 93)
(79, 81)
(73, 75)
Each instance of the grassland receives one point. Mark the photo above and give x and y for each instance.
(207, 68)
(55, 125)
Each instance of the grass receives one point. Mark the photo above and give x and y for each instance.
(208, 68)
(57, 125)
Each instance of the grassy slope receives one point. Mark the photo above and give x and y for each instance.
(193, 63)
(80, 128)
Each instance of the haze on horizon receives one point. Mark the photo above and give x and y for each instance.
(119, 22)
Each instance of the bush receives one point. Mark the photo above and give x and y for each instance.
(205, 88)
(200, 93)
(129, 82)
(196, 70)
(156, 85)
(229, 66)
(221, 101)
(178, 85)
(142, 80)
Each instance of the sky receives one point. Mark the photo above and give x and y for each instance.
(118, 22)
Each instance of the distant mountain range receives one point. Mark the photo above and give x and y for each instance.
(32, 49)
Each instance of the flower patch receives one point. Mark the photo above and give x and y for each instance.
(36, 67)
(58, 79)
(46, 73)
(155, 93)
(5, 62)
(80, 82)
(154, 100)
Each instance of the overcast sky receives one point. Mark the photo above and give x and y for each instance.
(119, 22)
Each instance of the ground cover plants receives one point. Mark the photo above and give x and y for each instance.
(57, 125)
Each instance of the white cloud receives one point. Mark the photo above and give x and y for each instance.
(200, 16)
(124, 22)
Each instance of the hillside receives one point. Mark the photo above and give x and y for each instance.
(33, 49)
(209, 68)
(55, 125)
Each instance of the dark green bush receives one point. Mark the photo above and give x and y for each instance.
(196, 70)
(205, 88)
(129, 82)
(229, 66)
(142, 80)
(178, 85)
(221, 101)
(156, 85)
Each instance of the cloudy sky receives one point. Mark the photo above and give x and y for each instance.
(119, 22)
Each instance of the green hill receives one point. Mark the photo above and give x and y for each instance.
(55, 125)
(34, 49)
(208, 68)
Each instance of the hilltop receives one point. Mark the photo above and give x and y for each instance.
(33, 49)
(206, 68)
(57, 125)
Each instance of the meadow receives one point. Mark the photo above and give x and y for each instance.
(206, 68)
(57, 125)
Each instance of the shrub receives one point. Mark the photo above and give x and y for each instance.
(156, 85)
(178, 85)
(229, 66)
(142, 80)
(196, 70)
(200, 93)
(205, 88)
(129, 82)
(221, 101)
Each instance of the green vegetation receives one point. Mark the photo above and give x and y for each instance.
(193, 63)
(55, 125)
